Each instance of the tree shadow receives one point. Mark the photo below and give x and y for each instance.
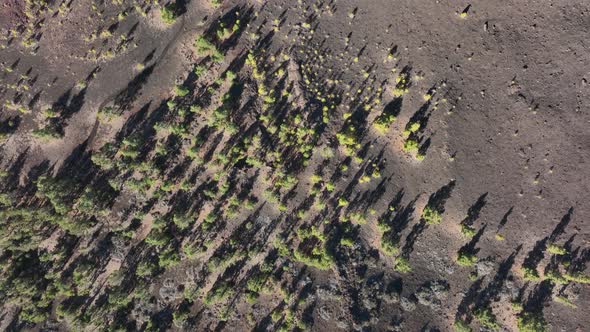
(535, 256)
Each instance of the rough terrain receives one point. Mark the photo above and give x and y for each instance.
(294, 165)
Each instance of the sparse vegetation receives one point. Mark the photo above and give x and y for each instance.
(531, 322)
(168, 13)
(486, 317)
(250, 177)
(402, 265)
(431, 216)
(466, 259)
(556, 250)
(205, 47)
(461, 326)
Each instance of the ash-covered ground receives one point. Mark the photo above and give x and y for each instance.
(217, 165)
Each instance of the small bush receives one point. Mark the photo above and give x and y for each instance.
(411, 128)
(431, 215)
(411, 146)
(107, 114)
(402, 265)
(466, 259)
(47, 133)
(389, 246)
(578, 277)
(348, 138)
(461, 326)
(200, 70)
(347, 241)
(467, 230)
(383, 122)
(205, 47)
(168, 13)
(181, 91)
(565, 301)
(556, 250)
(531, 322)
(530, 274)
(487, 318)
(556, 277)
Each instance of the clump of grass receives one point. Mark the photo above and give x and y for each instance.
(50, 113)
(342, 201)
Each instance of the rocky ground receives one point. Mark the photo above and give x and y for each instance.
(294, 165)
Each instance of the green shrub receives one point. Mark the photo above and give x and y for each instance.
(218, 293)
(383, 122)
(467, 230)
(578, 277)
(342, 201)
(402, 265)
(466, 259)
(347, 241)
(181, 90)
(348, 139)
(531, 322)
(556, 277)
(565, 301)
(205, 47)
(183, 221)
(556, 250)
(412, 127)
(168, 258)
(389, 246)
(319, 257)
(107, 114)
(431, 215)
(486, 317)
(530, 274)
(200, 70)
(47, 133)
(461, 326)
(411, 146)
(168, 13)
